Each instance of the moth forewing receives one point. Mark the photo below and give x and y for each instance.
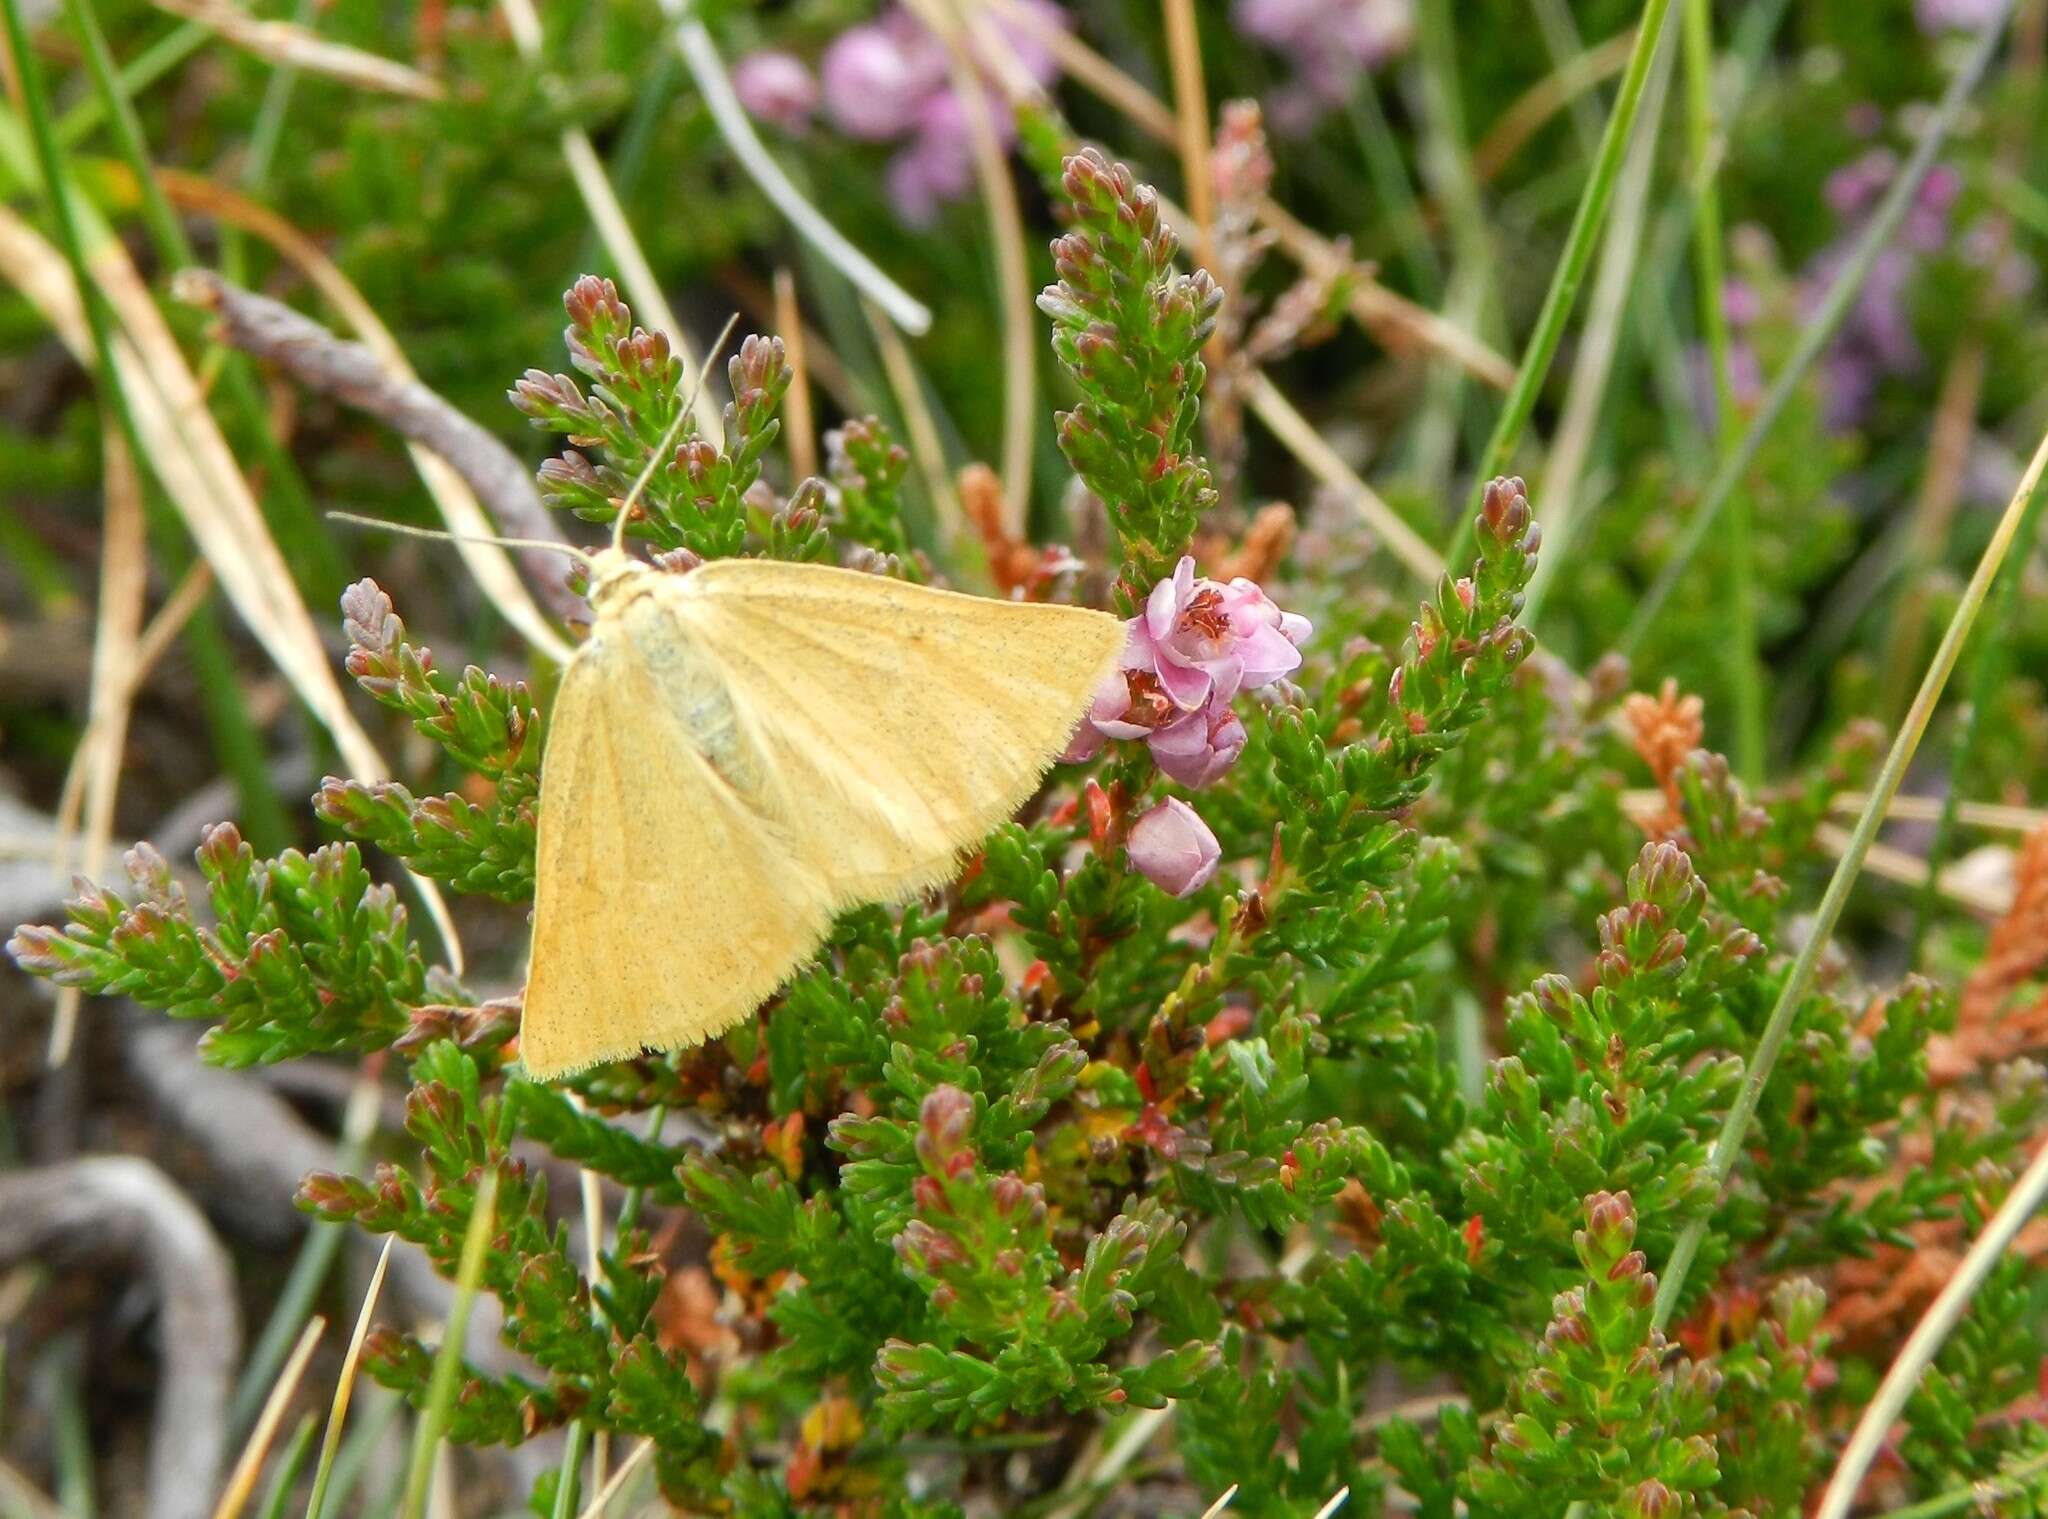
(739, 752)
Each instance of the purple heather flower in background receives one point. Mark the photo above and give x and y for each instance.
(1173, 848)
(776, 87)
(888, 80)
(1329, 42)
(1876, 340)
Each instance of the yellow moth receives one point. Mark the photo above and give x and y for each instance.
(739, 752)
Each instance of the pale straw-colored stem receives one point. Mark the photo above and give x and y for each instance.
(700, 56)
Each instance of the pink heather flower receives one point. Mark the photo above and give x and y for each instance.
(1201, 637)
(888, 80)
(877, 77)
(1198, 643)
(1198, 747)
(775, 86)
(938, 165)
(1173, 848)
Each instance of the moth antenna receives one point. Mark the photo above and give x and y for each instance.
(443, 536)
(668, 439)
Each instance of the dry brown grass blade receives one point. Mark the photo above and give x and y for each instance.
(95, 777)
(282, 42)
(488, 564)
(1890, 863)
(200, 475)
(1327, 465)
(618, 1480)
(344, 1385)
(918, 422)
(249, 1465)
(801, 434)
(1222, 1502)
(1013, 269)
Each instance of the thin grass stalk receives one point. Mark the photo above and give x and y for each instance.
(261, 151)
(1567, 51)
(1013, 279)
(1814, 337)
(117, 632)
(635, 140)
(1400, 209)
(700, 56)
(1570, 273)
(1744, 670)
(359, 1447)
(310, 1267)
(1446, 168)
(1532, 110)
(142, 71)
(1191, 123)
(920, 427)
(1593, 366)
(1928, 1336)
(233, 734)
(242, 1481)
(1987, 674)
(614, 228)
(801, 435)
(2013, 1482)
(344, 1385)
(298, 520)
(617, 1482)
(1271, 406)
(1728, 1144)
(286, 1477)
(447, 1373)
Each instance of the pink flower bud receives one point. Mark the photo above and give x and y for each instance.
(1173, 848)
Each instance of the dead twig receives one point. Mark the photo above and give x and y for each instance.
(120, 1207)
(350, 373)
(286, 43)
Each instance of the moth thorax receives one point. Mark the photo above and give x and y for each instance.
(691, 687)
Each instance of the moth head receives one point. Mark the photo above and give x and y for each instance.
(612, 570)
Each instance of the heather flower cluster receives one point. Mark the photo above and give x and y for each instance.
(1195, 646)
(1330, 43)
(889, 80)
(1877, 341)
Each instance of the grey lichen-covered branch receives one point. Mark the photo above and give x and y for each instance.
(350, 373)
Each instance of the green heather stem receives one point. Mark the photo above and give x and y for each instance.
(1728, 1144)
(1987, 672)
(1745, 676)
(447, 1375)
(1570, 274)
(1817, 333)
